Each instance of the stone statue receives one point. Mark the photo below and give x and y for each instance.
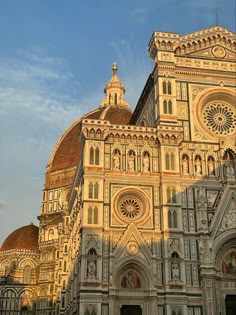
(211, 167)
(229, 168)
(116, 160)
(175, 271)
(91, 268)
(198, 166)
(146, 162)
(185, 165)
(131, 161)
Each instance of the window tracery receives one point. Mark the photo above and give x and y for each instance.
(219, 118)
(92, 215)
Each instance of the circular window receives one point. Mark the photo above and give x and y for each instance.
(219, 118)
(131, 205)
(130, 208)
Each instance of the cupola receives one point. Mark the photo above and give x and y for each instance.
(114, 91)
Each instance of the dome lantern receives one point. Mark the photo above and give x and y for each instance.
(114, 91)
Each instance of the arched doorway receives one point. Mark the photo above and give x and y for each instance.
(226, 277)
(133, 290)
(230, 304)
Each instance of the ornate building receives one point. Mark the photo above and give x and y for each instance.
(139, 209)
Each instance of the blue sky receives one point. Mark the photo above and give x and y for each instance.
(55, 59)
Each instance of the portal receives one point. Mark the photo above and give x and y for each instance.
(131, 310)
(230, 304)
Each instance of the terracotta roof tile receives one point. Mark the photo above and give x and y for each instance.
(25, 237)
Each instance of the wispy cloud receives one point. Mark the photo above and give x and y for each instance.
(37, 102)
(139, 15)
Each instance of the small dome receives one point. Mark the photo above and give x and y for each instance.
(25, 237)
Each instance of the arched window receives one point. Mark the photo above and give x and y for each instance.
(169, 107)
(173, 195)
(168, 193)
(97, 156)
(95, 220)
(93, 190)
(165, 109)
(169, 219)
(169, 87)
(50, 234)
(63, 302)
(94, 156)
(91, 156)
(115, 98)
(65, 266)
(172, 161)
(90, 190)
(167, 160)
(164, 87)
(172, 219)
(27, 275)
(90, 215)
(175, 219)
(65, 249)
(96, 190)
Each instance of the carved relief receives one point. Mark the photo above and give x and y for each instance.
(211, 197)
(229, 263)
(229, 218)
(130, 280)
(174, 244)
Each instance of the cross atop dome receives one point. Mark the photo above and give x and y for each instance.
(114, 91)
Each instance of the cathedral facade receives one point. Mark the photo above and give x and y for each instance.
(138, 211)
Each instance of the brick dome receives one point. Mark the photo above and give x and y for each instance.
(25, 237)
(67, 150)
(113, 108)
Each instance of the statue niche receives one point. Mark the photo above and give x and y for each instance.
(131, 161)
(146, 162)
(211, 166)
(185, 164)
(229, 164)
(92, 263)
(198, 165)
(116, 160)
(175, 267)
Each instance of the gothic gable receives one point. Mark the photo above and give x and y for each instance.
(215, 42)
(132, 244)
(225, 216)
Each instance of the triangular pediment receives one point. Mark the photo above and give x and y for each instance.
(214, 51)
(225, 215)
(132, 244)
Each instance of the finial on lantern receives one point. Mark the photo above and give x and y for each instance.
(114, 67)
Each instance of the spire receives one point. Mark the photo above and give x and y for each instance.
(114, 91)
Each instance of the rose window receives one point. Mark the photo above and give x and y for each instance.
(219, 118)
(130, 208)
